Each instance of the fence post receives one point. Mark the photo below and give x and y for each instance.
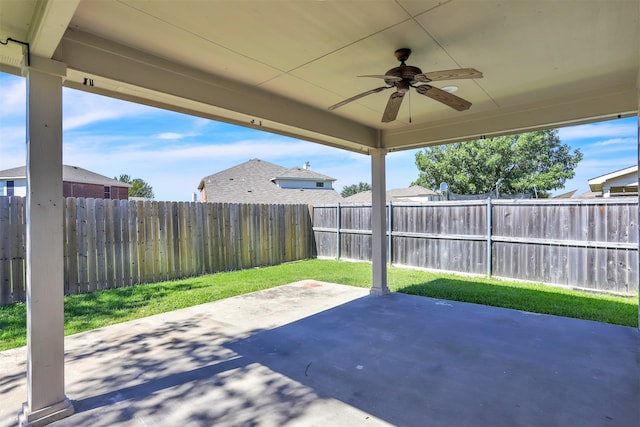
(489, 252)
(390, 251)
(338, 231)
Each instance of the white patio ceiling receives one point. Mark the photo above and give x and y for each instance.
(278, 65)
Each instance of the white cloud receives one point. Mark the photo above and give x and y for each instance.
(624, 149)
(13, 98)
(12, 158)
(12, 135)
(144, 151)
(601, 167)
(175, 135)
(612, 129)
(12, 121)
(82, 109)
(616, 141)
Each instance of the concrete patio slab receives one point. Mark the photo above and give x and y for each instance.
(313, 353)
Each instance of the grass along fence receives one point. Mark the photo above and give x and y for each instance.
(591, 244)
(94, 310)
(118, 243)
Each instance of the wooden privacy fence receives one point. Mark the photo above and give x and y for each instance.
(116, 243)
(590, 244)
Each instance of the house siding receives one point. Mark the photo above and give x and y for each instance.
(621, 186)
(93, 191)
(306, 183)
(19, 188)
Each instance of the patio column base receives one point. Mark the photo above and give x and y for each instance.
(46, 415)
(379, 291)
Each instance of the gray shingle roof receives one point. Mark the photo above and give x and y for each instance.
(413, 191)
(361, 197)
(393, 195)
(304, 174)
(588, 195)
(69, 174)
(567, 195)
(251, 182)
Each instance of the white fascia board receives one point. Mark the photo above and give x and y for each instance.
(613, 175)
(615, 102)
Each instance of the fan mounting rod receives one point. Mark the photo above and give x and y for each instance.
(403, 54)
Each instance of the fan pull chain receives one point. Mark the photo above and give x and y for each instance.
(409, 107)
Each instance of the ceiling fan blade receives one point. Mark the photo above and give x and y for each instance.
(361, 95)
(459, 73)
(383, 76)
(393, 106)
(446, 98)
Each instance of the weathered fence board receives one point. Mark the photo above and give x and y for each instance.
(100, 246)
(111, 243)
(5, 253)
(71, 247)
(81, 245)
(17, 242)
(117, 244)
(92, 254)
(589, 244)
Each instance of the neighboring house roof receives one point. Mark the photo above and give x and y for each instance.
(254, 182)
(13, 174)
(361, 197)
(69, 174)
(395, 195)
(303, 174)
(413, 191)
(587, 195)
(566, 195)
(623, 178)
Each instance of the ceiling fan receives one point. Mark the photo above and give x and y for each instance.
(406, 76)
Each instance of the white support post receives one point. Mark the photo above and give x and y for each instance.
(338, 216)
(390, 234)
(489, 253)
(638, 117)
(46, 400)
(378, 222)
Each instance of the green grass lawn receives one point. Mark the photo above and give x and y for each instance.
(89, 311)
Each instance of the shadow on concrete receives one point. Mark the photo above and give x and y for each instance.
(175, 376)
(399, 359)
(420, 361)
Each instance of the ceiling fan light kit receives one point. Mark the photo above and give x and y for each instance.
(406, 76)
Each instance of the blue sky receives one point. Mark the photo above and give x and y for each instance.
(173, 152)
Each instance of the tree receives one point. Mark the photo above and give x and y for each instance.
(352, 189)
(139, 187)
(533, 162)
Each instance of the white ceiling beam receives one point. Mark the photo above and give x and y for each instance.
(49, 22)
(615, 102)
(182, 89)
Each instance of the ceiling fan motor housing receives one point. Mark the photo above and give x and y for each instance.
(405, 72)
